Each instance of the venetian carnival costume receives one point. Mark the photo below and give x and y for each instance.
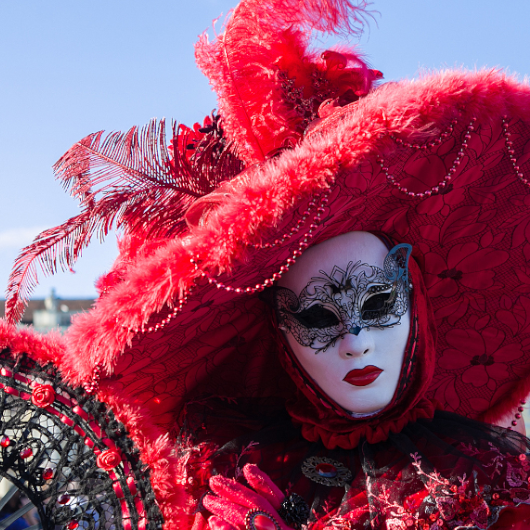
(178, 387)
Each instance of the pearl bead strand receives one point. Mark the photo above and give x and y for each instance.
(428, 145)
(294, 230)
(92, 387)
(176, 310)
(518, 414)
(511, 152)
(435, 189)
(285, 267)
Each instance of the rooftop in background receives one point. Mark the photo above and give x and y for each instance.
(51, 312)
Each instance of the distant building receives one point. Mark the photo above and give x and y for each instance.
(51, 313)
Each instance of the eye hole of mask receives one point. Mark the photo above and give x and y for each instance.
(377, 306)
(316, 316)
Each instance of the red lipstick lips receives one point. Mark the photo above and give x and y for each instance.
(363, 377)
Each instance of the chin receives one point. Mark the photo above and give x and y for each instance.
(366, 407)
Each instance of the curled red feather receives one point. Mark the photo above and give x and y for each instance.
(129, 181)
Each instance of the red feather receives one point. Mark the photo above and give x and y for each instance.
(264, 74)
(128, 180)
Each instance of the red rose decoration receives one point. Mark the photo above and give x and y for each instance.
(43, 395)
(108, 460)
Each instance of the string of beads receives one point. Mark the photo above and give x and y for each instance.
(447, 179)
(304, 243)
(176, 310)
(428, 145)
(511, 152)
(92, 387)
(518, 414)
(293, 231)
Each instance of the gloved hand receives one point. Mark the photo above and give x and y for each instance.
(236, 507)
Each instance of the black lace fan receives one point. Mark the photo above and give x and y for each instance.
(67, 453)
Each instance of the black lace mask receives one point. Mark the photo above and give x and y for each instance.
(346, 301)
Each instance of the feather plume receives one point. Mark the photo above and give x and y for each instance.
(268, 84)
(130, 181)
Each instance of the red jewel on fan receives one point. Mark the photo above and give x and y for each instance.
(5, 441)
(63, 499)
(47, 474)
(26, 453)
(326, 470)
(72, 525)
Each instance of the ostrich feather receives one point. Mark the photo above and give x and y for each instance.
(130, 181)
(262, 59)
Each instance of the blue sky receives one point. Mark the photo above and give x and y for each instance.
(69, 68)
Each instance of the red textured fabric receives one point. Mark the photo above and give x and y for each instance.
(473, 234)
(513, 519)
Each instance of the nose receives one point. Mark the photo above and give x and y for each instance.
(356, 344)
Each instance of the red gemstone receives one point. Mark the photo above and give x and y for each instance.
(47, 474)
(326, 470)
(262, 522)
(72, 525)
(26, 452)
(5, 441)
(63, 499)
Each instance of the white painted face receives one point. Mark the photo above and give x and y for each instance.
(359, 370)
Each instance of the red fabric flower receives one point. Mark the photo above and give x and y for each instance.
(467, 264)
(480, 515)
(515, 476)
(476, 351)
(108, 459)
(43, 396)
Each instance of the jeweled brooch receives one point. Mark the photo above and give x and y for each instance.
(326, 471)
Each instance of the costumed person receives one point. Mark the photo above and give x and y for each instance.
(321, 295)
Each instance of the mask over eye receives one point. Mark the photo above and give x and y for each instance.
(346, 301)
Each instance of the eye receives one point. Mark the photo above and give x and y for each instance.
(316, 316)
(377, 306)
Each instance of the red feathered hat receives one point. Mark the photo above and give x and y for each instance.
(305, 148)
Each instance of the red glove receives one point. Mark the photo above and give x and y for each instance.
(236, 507)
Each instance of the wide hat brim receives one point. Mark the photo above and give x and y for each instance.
(167, 335)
